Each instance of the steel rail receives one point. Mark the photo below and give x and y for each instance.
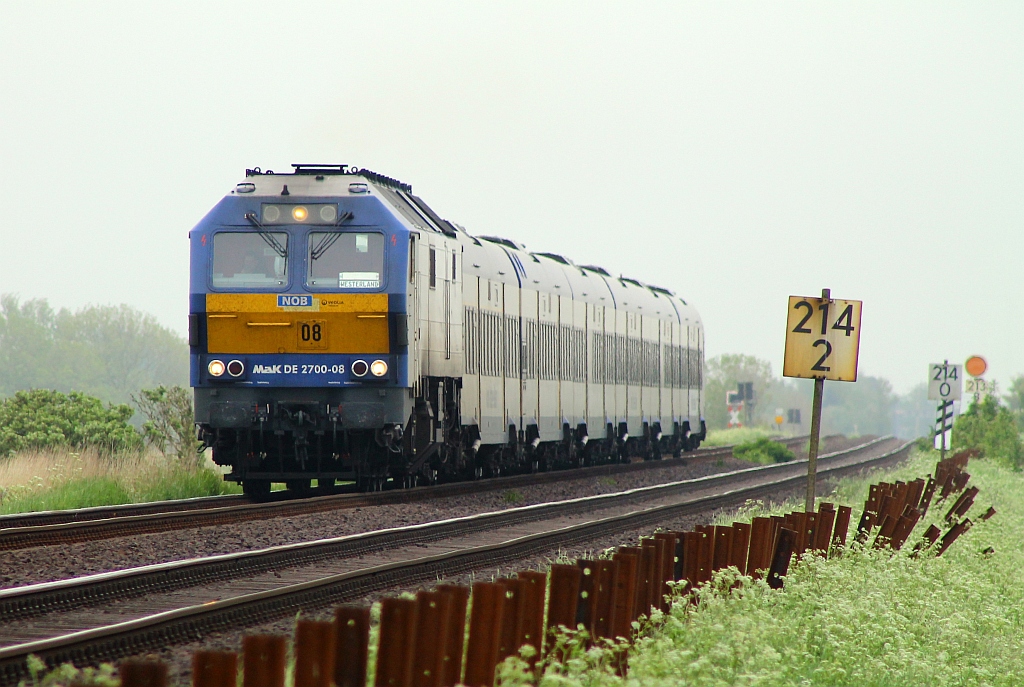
(152, 518)
(190, 623)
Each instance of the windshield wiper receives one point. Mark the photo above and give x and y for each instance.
(329, 239)
(267, 237)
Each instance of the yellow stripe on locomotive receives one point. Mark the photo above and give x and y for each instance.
(252, 323)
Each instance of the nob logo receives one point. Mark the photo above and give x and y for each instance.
(294, 301)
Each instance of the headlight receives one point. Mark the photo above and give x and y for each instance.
(359, 368)
(236, 368)
(216, 368)
(379, 368)
(299, 213)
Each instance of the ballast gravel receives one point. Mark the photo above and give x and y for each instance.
(43, 564)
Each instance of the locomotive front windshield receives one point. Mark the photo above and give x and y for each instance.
(346, 260)
(249, 260)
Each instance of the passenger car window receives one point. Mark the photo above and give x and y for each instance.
(249, 260)
(345, 260)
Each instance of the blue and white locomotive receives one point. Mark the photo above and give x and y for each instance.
(341, 330)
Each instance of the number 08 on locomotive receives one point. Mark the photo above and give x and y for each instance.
(341, 331)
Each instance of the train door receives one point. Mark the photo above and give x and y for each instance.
(680, 410)
(650, 377)
(528, 360)
(471, 350)
(621, 369)
(595, 373)
(578, 361)
(634, 375)
(513, 351)
(547, 315)
(665, 382)
(566, 386)
(492, 351)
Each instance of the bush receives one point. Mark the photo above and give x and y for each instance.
(993, 429)
(43, 418)
(170, 424)
(763, 451)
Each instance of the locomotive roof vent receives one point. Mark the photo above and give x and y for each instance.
(594, 268)
(337, 170)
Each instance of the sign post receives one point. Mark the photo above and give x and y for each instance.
(822, 342)
(945, 385)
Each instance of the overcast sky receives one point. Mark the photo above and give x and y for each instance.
(736, 153)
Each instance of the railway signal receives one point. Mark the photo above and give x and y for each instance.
(822, 342)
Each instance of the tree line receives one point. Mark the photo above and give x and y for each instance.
(110, 352)
(868, 406)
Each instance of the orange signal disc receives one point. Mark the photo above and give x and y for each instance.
(976, 366)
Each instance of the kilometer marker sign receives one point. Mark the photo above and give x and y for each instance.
(822, 342)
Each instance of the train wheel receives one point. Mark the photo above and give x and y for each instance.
(256, 488)
(299, 487)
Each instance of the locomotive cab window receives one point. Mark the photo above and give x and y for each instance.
(345, 260)
(250, 260)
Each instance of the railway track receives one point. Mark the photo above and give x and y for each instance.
(107, 616)
(54, 528)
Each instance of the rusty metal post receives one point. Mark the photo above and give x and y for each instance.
(584, 605)
(532, 608)
(926, 496)
(484, 633)
(397, 642)
(455, 634)
(739, 546)
(705, 553)
(691, 552)
(723, 547)
(780, 559)
(648, 561)
(841, 528)
(952, 535)
(314, 653)
(511, 618)
(962, 505)
(823, 529)
(668, 565)
(263, 661)
(602, 616)
(432, 624)
(904, 527)
(214, 669)
(989, 513)
(351, 644)
(625, 592)
(677, 570)
(760, 540)
(565, 594)
(930, 536)
(143, 673)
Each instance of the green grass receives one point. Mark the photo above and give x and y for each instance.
(867, 618)
(763, 451)
(77, 493)
(69, 480)
(738, 435)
